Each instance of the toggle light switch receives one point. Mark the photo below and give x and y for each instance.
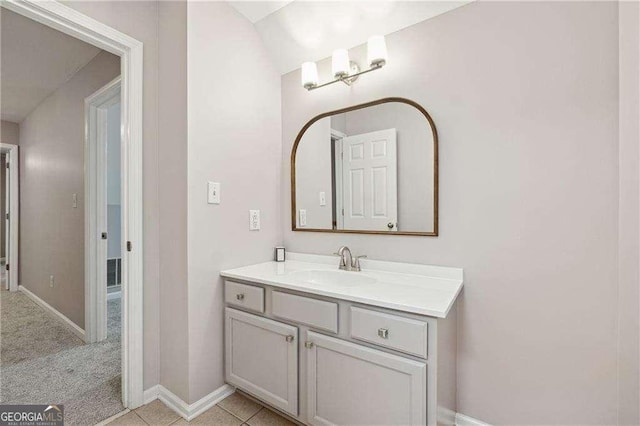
(213, 192)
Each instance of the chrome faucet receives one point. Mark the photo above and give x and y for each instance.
(347, 261)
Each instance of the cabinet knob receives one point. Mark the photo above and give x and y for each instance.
(289, 338)
(383, 332)
(308, 345)
(240, 296)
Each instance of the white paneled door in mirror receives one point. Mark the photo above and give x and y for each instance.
(370, 196)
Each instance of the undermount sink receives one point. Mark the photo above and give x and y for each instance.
(333, 277)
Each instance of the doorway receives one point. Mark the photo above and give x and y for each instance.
(130, 51)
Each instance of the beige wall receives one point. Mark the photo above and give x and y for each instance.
(525, 99)
(51, 171)
(234, 139)
(9, 132)
(313, 175)
(172, 153)
(629, 315)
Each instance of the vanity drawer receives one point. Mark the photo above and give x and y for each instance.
(391, 331)
(312, 312)
(245, 296)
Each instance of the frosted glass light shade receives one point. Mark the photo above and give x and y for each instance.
(340, 63)
(309, 75)
(377, 51)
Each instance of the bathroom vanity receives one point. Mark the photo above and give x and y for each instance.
(326, 346)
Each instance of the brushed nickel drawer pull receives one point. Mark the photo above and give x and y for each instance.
(383, 332)
(240, 296)
(308, 345)
(289, 338)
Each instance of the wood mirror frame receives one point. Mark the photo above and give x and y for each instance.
(433, 233)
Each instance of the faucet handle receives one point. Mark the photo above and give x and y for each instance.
(343, 263)
(355, 263)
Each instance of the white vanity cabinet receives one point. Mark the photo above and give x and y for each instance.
(325, 361)
(262, 358)
(349, 384)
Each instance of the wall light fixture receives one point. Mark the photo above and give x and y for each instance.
(345, 70)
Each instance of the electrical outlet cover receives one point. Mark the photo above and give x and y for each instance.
(254, 220)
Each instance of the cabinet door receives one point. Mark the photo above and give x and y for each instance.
(261, 357)
(349, 384)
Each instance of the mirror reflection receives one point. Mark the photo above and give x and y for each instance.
(370, 169)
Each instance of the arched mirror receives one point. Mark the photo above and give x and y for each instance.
(370, 169)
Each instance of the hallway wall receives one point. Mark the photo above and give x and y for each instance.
(51, 171)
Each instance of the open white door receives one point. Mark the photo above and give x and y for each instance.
(96, 236)
(370, 181)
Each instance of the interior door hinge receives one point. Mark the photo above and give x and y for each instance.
(7, 216)
(7, 267)
(7, 165)
(129, 246)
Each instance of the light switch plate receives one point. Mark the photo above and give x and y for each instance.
(213, 192)
(303, 217)
(254, 220)
(323, 198)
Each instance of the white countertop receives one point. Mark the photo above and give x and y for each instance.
(419, 289)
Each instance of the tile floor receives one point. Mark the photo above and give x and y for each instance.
(235, 410)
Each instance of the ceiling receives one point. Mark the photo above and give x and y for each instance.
(299, 31)
(36, 60)
(257, 10)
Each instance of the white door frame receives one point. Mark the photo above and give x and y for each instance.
(95, 213)
(337, 136)
(11, 151)
(78, 25)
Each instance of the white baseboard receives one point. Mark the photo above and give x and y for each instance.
(462, 420)
(54, 312)
(446, 416)
(151, 394)
(187, 411)
(191, 411)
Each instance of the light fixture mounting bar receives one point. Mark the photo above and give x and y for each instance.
(348, 79)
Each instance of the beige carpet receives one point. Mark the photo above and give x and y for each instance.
(42, 362)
